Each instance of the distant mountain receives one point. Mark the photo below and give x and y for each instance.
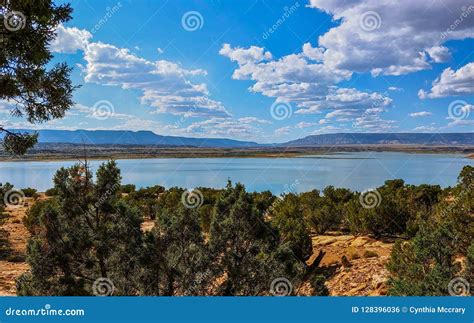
(124, 137)
(341, 139)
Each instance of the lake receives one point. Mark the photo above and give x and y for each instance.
(357, 171)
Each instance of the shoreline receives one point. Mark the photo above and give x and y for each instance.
(148, 152)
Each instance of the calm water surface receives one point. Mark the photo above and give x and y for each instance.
(357, 171)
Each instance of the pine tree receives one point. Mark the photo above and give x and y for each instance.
(34, 90)
(247, 250)
(175, 259)
(83, 234)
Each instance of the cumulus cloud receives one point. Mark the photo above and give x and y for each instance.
(301, 79)
(420, 114)
(69, 40)
(452, 83)
(164, 85)
(244, 128)
(282, 131)
(425, 129)
(461, 123)
(379, 36)
(302, 125)
(253, 54)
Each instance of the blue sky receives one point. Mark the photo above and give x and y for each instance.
(268, 71)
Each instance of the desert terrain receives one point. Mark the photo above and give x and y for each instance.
(362, 271)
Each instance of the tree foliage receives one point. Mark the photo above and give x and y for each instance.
(36, 90)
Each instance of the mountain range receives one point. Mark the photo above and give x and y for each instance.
(125, 137)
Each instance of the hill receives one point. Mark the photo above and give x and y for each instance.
(341, 139)
(149, 138)
(126, 137)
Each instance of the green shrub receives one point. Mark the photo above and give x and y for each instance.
(30, 192)
(51, 192)
(127, 188)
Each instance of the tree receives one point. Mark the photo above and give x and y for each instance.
(247, 251)
(389, 213)
(35, 91)
(175, 259)
(425, 265)
(422, 200)
(328, 211)
(146, 200)
(287, 217)
(83, 234)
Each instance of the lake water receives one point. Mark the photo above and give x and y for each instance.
(357, 171)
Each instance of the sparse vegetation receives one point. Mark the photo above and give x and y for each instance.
(30, 192)
(234, 242)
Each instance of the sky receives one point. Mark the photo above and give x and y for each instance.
(267, 71)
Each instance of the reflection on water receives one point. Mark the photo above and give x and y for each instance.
(357, 171)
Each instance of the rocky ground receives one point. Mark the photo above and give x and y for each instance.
(14, 265)
(352, 265)
(362, 272)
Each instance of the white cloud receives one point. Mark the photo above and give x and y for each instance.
(164, 85)
(303, 125)
(243, 128)
(328, 129)
(452, 83)
(243, 56)
(461, 123)
(282, 131)
(299, 79)
(373, 123)
(394, 88)
(69, 40)
(425, 129)
(420, 114)
(406, 36)
(439, 54)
